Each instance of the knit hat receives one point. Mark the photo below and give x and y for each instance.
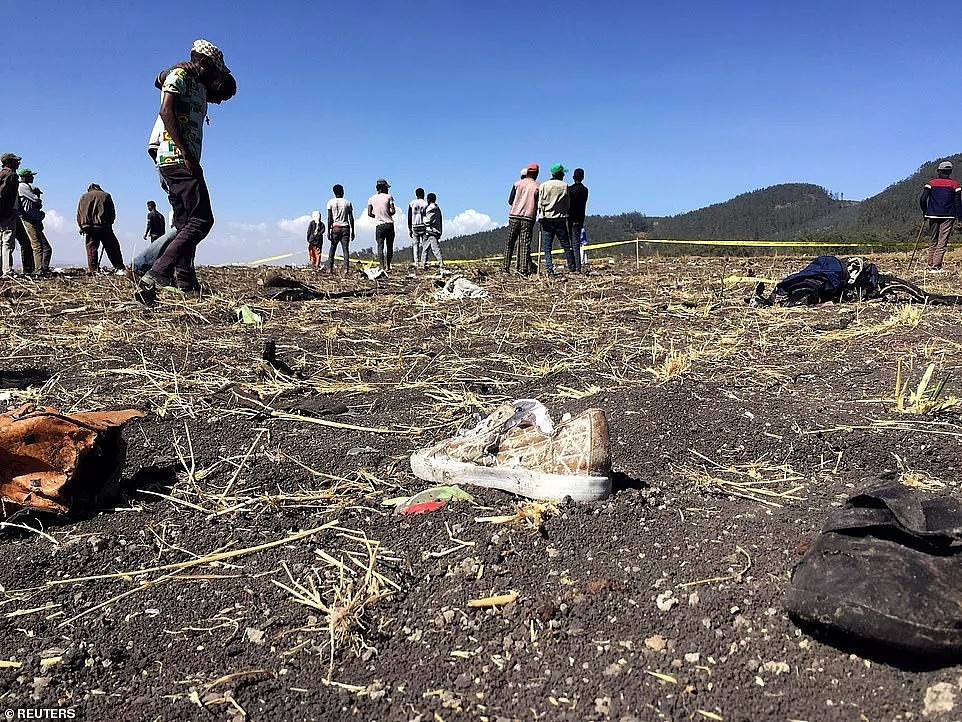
(205, 47)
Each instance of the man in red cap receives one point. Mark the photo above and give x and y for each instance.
(523, 202)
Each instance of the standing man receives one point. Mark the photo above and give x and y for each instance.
(381, 208)
(577, 207)
(416, 223)
(315, 239)
(95, 219)
(9, 184)
(553, 208)
(340, 227)
(434, 226)
(183, 108)
(941, 203)
(31, 216)
(523, 202)
(156, 225)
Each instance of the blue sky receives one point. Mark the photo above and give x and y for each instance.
(667, 106)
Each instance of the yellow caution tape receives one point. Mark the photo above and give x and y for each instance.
(743, 243)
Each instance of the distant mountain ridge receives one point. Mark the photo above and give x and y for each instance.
(787, 211)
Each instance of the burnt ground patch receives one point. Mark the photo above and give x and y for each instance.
(250, 567)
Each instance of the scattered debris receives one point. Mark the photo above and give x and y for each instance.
(50, 460)
(374, 273)
(885, 571)
(245, 315)
(460, 287)
(281, 288)
(517, 448)
(428, 500)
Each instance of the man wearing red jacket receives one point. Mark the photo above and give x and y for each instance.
(941, 203)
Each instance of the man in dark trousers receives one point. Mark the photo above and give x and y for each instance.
(156, 225)
(523, 202)
(95, 219)
(381, 208)
(9, 185)
(577, 206)
(941, 203)
(553, 209)
(340, 228)
(183, 108)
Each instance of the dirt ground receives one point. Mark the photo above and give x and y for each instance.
(250, 569)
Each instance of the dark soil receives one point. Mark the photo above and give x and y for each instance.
(660, 603)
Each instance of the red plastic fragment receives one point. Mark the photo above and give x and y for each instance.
(423, 507)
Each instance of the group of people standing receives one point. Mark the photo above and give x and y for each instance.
(21, 219)
(425, 225)
(561, 209)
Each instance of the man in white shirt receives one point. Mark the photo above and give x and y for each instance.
(340, 227)
(381, 208)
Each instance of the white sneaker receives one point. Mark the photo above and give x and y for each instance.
(517, 449)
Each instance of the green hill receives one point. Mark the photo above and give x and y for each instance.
(778, 211)
(788, 211)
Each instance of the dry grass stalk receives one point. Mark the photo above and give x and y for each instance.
(342, 591)
(527, 513)
(916, 479)
(758, 481)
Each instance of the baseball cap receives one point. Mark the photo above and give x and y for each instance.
(26, 171)
(558, 168)
(945, 165)
(8, 157)
(381, 182)
(205, 47)
(533, 167)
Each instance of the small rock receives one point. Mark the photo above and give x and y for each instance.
(612, 670)
(256, 636)
(603, 706)
(463, 680)
(692, 657)
(665, 601)
(939, 698)
(776, 667)
(656, 643)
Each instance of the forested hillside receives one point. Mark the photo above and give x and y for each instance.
(788, 211)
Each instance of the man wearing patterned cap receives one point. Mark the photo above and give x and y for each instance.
(183, 108)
